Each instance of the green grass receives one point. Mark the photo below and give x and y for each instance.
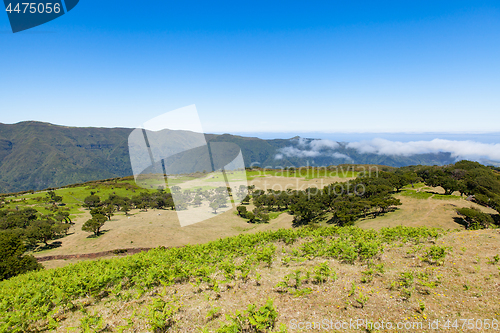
(415, 186)
(274, 215)
(73, 197)
(416, 195)
(446, 197)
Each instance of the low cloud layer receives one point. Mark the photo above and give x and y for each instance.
(471, 150)
(458, 149)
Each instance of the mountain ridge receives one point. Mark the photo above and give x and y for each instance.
(37, 155)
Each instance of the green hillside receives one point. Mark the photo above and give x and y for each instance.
(36, 155)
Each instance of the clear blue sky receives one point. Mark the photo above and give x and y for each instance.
(260, 66)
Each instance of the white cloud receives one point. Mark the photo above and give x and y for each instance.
(296, 152)
(339, 155)
(323, 144)
(311, 148)
(458, 149)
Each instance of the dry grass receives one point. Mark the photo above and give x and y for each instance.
(421, 212)
(161, 227)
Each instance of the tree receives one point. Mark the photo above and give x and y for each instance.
(384, 203)
(283, 200)
(109, 211)
(218, 201)
(142, 206)
(398, 181)
(160, 203)
(246, 200)
(94, 224)
(251, 217)
(60, 229)
(214, 205)
(175, 189)
(169, 201)
(63, 216)
(197, 201)
(14, 262)
(126, 208)
(242, 211)
(53, 197)
(440, 177)
(262, 215)
(307, 210)
(97, 210)
(40, 232)
(92, 201)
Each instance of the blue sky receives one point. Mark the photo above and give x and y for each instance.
(260, 66)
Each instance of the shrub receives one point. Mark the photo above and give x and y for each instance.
(14, 262)
(259, 320)
(475, 219)
(435, 255)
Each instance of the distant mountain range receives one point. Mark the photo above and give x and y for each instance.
(35, 155)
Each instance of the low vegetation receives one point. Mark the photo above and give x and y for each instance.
(262, 282)
(36, 299)
(149, 291)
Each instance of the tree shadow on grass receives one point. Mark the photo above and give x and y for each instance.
(496, 219)
(102, 232)
(62, 236)
(50, 246)
(461, 221)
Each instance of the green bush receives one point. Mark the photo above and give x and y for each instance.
(475, 219)
(435, 254)
(13, 261)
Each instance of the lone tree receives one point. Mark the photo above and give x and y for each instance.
(218, 201)
(94, 224)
